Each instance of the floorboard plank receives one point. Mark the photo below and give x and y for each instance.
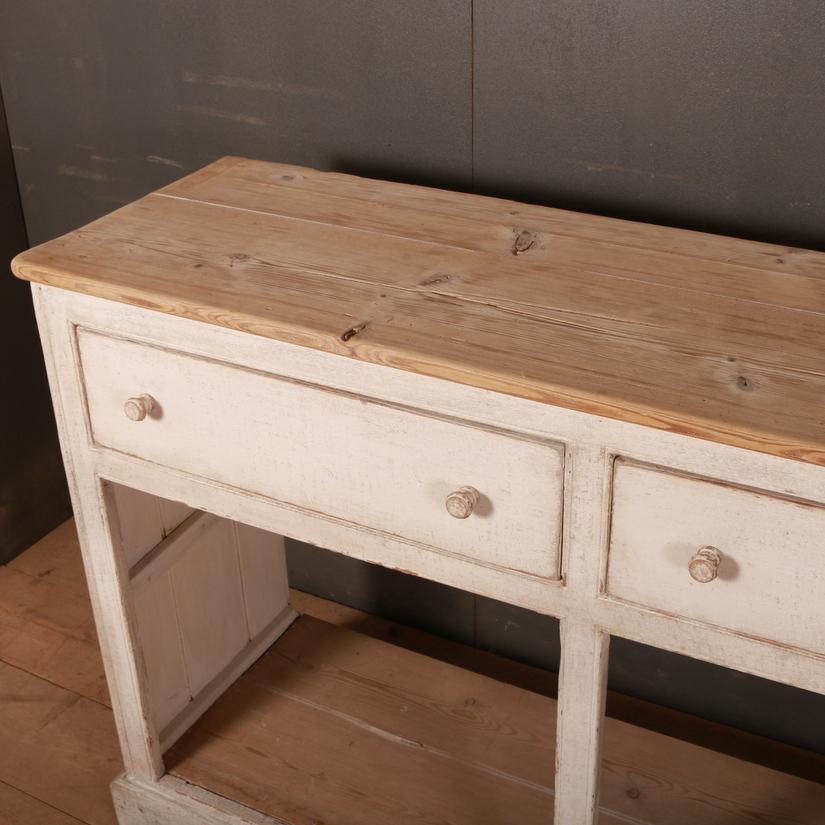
(47, 629)
(57, 746)
(18, 808)
(55, 556)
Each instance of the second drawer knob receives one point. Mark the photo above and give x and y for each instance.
(704, 564)
(461, 502)
(138, 407)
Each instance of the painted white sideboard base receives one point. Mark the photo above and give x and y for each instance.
(172, 801)
(180, 617)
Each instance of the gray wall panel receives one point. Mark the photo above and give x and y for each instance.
(702, 114)
(108, 100)
(428, 605)
(716, 693)
(33, 496)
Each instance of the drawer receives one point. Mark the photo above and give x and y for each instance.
(770, 579)
(336, 454)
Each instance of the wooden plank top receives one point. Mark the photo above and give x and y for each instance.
(714, 337)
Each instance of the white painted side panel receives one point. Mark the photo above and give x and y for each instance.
(160, 639)
(771, 581)
(144, 520)
(347, 457)
(172, 514)
(207, 585)
(202, 597)
(263, 574)
(139, 522)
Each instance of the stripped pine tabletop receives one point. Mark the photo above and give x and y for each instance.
(714, 337)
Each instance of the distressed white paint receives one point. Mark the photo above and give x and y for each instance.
(771, 578)
(136, 516)
(241, 662)
(238, 417)
(203, 595)
(352, 458)
(209, 598)
(143, 520)
(172, 801)
(172, 514)
(582, 692)
(160, 639)
(104, 560)
(264, 578)
(583, 672)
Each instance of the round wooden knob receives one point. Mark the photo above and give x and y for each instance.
(704, 564)
(461, 502)
(139, 407)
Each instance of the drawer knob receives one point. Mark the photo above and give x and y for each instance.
(139, 407)
(704, 564)
(461, 502)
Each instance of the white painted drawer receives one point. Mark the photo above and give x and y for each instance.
(354, 459)
(770, 582)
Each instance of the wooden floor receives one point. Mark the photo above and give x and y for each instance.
(341, 726)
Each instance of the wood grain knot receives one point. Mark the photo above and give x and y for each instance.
(438, 278)
(353, 331)
(525, 240)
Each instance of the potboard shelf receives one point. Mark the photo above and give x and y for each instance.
(332, 726)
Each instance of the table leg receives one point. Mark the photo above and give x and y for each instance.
(106, 569)
(582, 689)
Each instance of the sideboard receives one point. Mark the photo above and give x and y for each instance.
(617, 424)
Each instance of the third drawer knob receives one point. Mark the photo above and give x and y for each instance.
(461, 502)
(704, 564)
(138, 407)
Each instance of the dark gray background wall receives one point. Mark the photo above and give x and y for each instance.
(698, 114)
(33, 494)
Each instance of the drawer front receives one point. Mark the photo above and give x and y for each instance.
(361, 461)
(770, 579)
